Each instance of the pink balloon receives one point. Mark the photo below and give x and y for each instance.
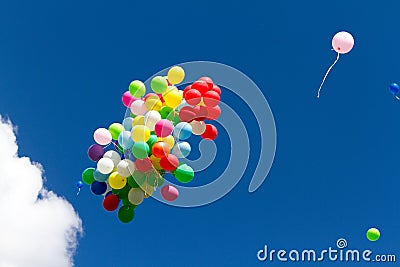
(342, 42)
(102, 136)
(144, 165)
(138, 107)
(169, 192)
(128, 99)
(163, 128)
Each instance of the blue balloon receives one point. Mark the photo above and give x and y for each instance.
(181, 149)
(125, 140)
(98, 188)
(394, 88)
(79, 184)
(182, 130)
(127, 123)
(99, 177)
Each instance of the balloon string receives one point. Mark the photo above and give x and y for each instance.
(398, 98)
(326, 74)
(112, 143)
(79, 190)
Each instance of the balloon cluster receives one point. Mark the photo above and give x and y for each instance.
(133, 156)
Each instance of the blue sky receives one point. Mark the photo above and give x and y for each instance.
(65, 64)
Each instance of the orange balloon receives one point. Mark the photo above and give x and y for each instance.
(160, 149)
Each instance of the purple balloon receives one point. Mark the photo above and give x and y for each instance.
(95, 152)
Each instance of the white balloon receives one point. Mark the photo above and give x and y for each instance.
(102, 136)
(138, 107)
(114, 156)
(198, 127)
(181, 149)
(135, 196)
(125, 168)
(105, 165)
(151, 118)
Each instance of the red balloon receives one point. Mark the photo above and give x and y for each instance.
(211, 99)
(213, 112)
(143, 165)
(169, 163)
(160, 149)
(169, 192)
(201, 86)
(187, 114)
(208, 81)
(216, 88)
(193, 97)
(186, 89)
(210, 133)
(111, 202)
(201, 113)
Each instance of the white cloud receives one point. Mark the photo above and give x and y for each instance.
(34, 231)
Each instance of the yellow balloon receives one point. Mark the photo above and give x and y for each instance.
(170, 89)
(135, 196)
(153, 103)
(176, 75)
(156, 162)
(140, 133)
(172, 97)
(116, 181)
(169, 140)
(138, 120)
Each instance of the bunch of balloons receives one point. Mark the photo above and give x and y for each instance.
(133, 156)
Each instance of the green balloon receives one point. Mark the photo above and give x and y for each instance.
(139, 177)
(184, 173)
(165, 111)
(123, 192)
(126, 213)
(174, 118)
(133, 115)
(87, 176)
(132, 182)
(126, 202)
(152, 140)
(373, 234)
(115, 129)
(152, 178)
(159, 84)
(140, 150)
(137, 89)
